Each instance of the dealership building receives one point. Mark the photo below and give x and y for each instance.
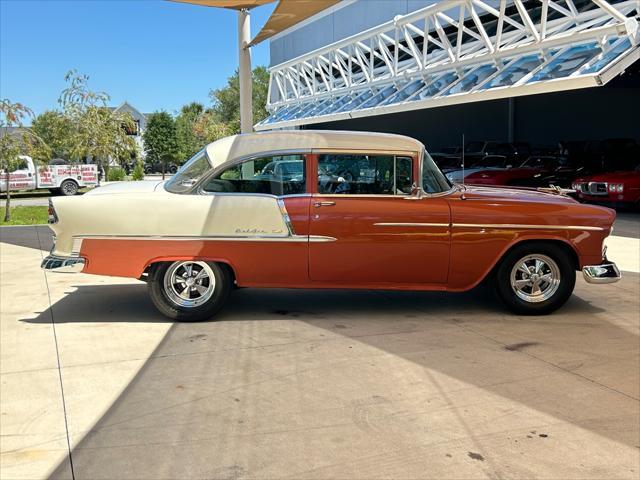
(537, 71)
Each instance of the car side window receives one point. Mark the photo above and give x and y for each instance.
(358, 174)
(274, 175)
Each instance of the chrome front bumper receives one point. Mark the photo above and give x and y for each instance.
(605, 273)
(53, 263)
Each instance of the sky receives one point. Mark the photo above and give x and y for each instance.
(155, 54)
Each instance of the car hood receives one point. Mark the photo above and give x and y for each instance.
(520, 195)
(144, 186)
(526, 206)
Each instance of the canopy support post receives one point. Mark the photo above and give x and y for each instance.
(244, 71)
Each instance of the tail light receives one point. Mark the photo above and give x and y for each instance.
(53, 216)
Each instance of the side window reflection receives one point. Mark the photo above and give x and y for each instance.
(347, 174)
(275, 175)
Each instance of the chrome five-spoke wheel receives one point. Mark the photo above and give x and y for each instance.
(535, 278)
(189, 284)
(189, 290)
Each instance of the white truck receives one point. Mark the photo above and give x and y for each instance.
(62, 179)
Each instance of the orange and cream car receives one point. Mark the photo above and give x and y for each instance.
(319, 209)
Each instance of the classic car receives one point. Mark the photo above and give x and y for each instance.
(382, 216)
(516, 152)
(621, 189)
(536, 171)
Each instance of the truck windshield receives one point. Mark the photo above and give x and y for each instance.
(189, 174)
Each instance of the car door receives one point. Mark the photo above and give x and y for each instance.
(382, 233)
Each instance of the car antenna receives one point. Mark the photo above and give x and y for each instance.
(462, 197)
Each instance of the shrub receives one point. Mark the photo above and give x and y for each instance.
(116, 174)
(138, 172)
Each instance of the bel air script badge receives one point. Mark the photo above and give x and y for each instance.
(256, 231)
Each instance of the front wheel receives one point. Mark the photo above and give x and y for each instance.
(535, 279)
(189, 291)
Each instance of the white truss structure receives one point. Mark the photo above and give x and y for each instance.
(457, 51)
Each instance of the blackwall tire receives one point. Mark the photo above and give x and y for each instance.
(68, 188)
(547, 285)
(206, 295)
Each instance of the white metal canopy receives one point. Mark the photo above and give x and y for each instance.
(455, 52)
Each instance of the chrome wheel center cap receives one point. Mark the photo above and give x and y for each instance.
(534, 278)
(190, 281)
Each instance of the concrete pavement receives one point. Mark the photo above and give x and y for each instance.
(313, 384)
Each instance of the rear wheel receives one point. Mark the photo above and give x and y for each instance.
(68, 188)
(535, 278)
(189, 291)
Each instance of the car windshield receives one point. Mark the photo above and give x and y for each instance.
(491, 162)
(291, 167)
(537, 162)
(433, 180)
(189, 174)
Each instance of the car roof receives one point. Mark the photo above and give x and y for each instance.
(248, 144)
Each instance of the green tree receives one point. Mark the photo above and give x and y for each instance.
(160, 142)
(13, 144)
(188, 141)
(226, 101)
(209, 128)
(96, 131)
(55, 130)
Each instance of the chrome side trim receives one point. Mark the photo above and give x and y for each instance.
(605, 273)
(285, 217)
(239, 238)
(56, 264)
(515, 226)
(408, 224)
(76, 247)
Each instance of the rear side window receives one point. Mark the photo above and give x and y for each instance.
(275, 175)
(359, 174)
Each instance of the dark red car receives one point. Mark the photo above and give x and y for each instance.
(614, 188)
(536, 171)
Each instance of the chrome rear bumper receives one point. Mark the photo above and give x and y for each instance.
(53, 263)
(605, 273)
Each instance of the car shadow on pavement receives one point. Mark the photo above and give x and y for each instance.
(279, 368)
(102, 304)
(131, 303)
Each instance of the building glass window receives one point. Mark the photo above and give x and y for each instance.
(364, 174)
(274, 175)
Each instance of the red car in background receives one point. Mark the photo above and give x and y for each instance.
(621, 189)
(536, 171)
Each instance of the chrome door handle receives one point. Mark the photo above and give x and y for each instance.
(323, 204)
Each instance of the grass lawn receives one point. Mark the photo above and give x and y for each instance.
(25, 215)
